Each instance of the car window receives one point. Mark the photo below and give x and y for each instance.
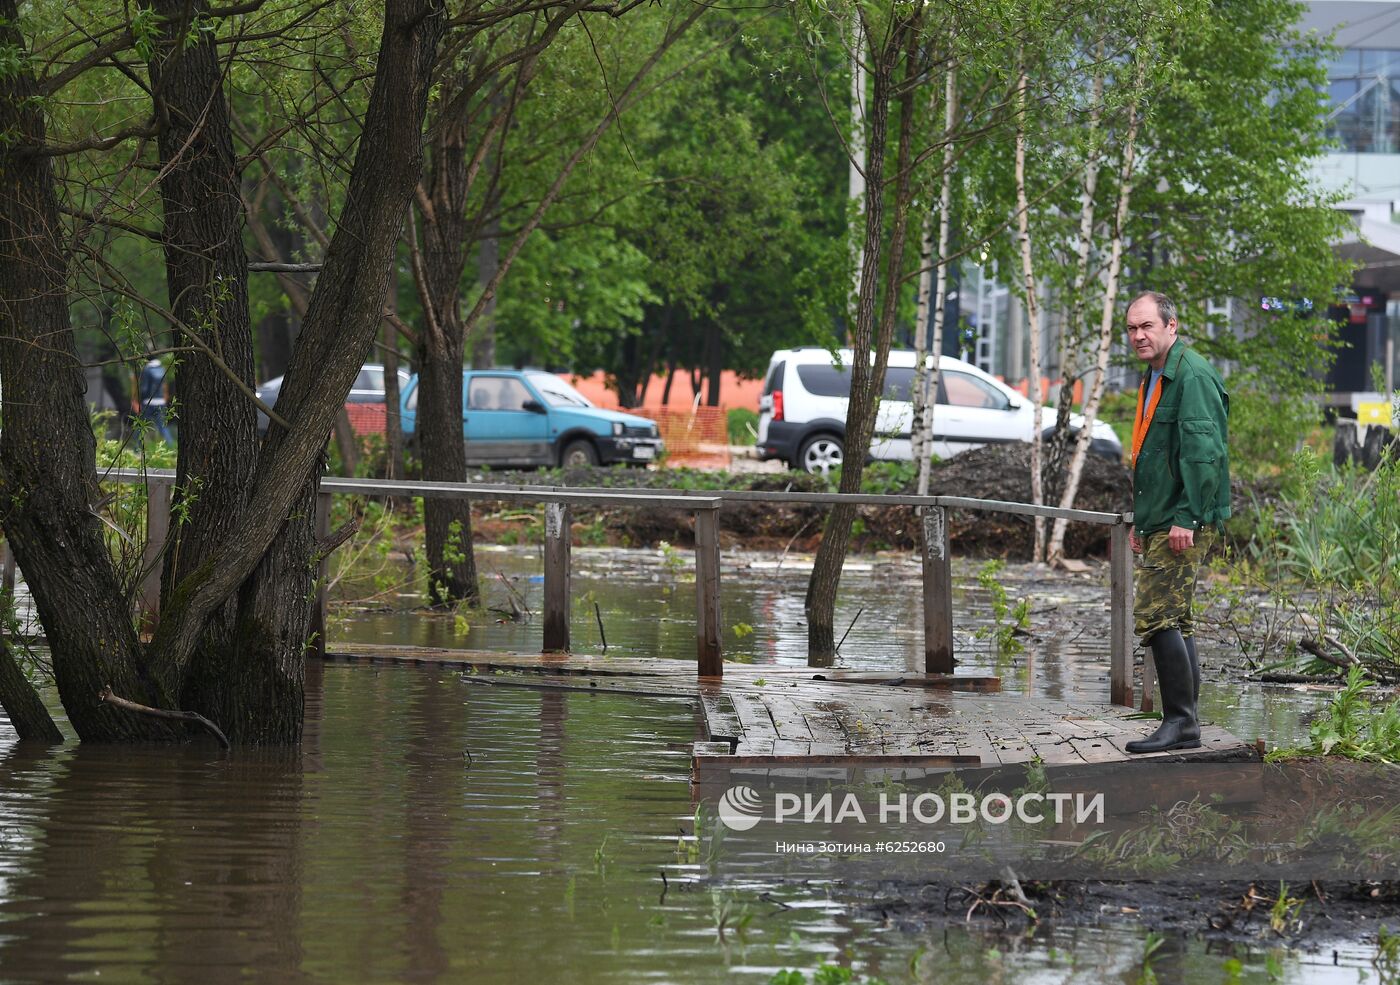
(899, 383)
(964, 390)
(556, 392)
(775, 378)
(826, 381)
(370, 379)
(497, 393)
(412, 402)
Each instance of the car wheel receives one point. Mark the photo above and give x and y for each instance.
(821, 454)
(579, 454)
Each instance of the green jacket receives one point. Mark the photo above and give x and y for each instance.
(1182, 476)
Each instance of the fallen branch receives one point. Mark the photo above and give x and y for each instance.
(598, 613)
(116, 701)
(849, 628)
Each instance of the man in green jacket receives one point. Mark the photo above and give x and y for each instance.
(1181, 493)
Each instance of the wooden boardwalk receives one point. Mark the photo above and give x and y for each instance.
(770, 716)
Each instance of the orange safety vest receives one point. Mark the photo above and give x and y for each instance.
(1144, 420)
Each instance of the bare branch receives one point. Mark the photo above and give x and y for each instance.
(107, 697)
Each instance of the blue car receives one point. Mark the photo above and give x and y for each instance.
(530, 417)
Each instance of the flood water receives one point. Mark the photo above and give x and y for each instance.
(645, 600)
(435, 829)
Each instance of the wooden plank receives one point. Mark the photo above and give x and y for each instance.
(1120, 602)
(1098, 749)
(721, 720)
(753, 715)
(937, 568)
(917, 760)
(824, 722)
(557, 543)
(708, 653)
(937, 682)
(788, 719)
(1149, 679)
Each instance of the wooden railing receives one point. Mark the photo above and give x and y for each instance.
(705, 506)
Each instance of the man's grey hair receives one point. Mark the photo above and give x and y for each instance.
(1166, 307)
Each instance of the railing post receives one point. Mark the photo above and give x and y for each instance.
(1120, 591)
(158, 492)
(556, 577)
(1149, 679)
(937, 566)
(707, 620)
(323, 531)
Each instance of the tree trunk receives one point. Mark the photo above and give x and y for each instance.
(233, 625)
(1073, 331)
(1023, 226)
(441, 355)
(47, 477)
(927, 394)
(714, 346)
(27, 714)
(867, 375)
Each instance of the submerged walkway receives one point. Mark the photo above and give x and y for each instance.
(795, 716)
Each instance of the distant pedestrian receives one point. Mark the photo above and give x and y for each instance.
(152, 393)
(1181, 494)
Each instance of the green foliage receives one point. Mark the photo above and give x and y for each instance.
(1189, 831)
(1352, 727)
(889, 478)
(1151, 944)
(1337, 532)
(1267, 428)
(742, 425)
(1283, 915)
(824, 974)
(1008, 619)
(1386, 960)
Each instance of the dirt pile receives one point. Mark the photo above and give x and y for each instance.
(999, 472)
(1004, 472)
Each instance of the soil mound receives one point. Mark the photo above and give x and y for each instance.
(1004, 472)
(999, 472)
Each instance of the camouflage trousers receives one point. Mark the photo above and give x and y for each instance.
(1166, 583)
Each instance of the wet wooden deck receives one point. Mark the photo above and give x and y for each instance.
(799, 716)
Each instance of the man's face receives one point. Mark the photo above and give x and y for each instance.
(1150, 337)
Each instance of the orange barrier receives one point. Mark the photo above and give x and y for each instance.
(697, 437)
(367, 418)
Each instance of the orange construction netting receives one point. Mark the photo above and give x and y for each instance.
(696, 437)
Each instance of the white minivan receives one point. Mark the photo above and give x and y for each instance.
(802, 412)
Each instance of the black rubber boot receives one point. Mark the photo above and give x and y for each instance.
(1178, 729)
(1190, 642)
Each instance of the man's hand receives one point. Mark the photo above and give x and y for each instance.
(1133, 542)
(1180, 538)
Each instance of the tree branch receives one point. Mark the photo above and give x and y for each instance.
(107, 697)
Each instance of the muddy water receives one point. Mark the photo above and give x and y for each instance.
(646, 603)
(435, 830)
